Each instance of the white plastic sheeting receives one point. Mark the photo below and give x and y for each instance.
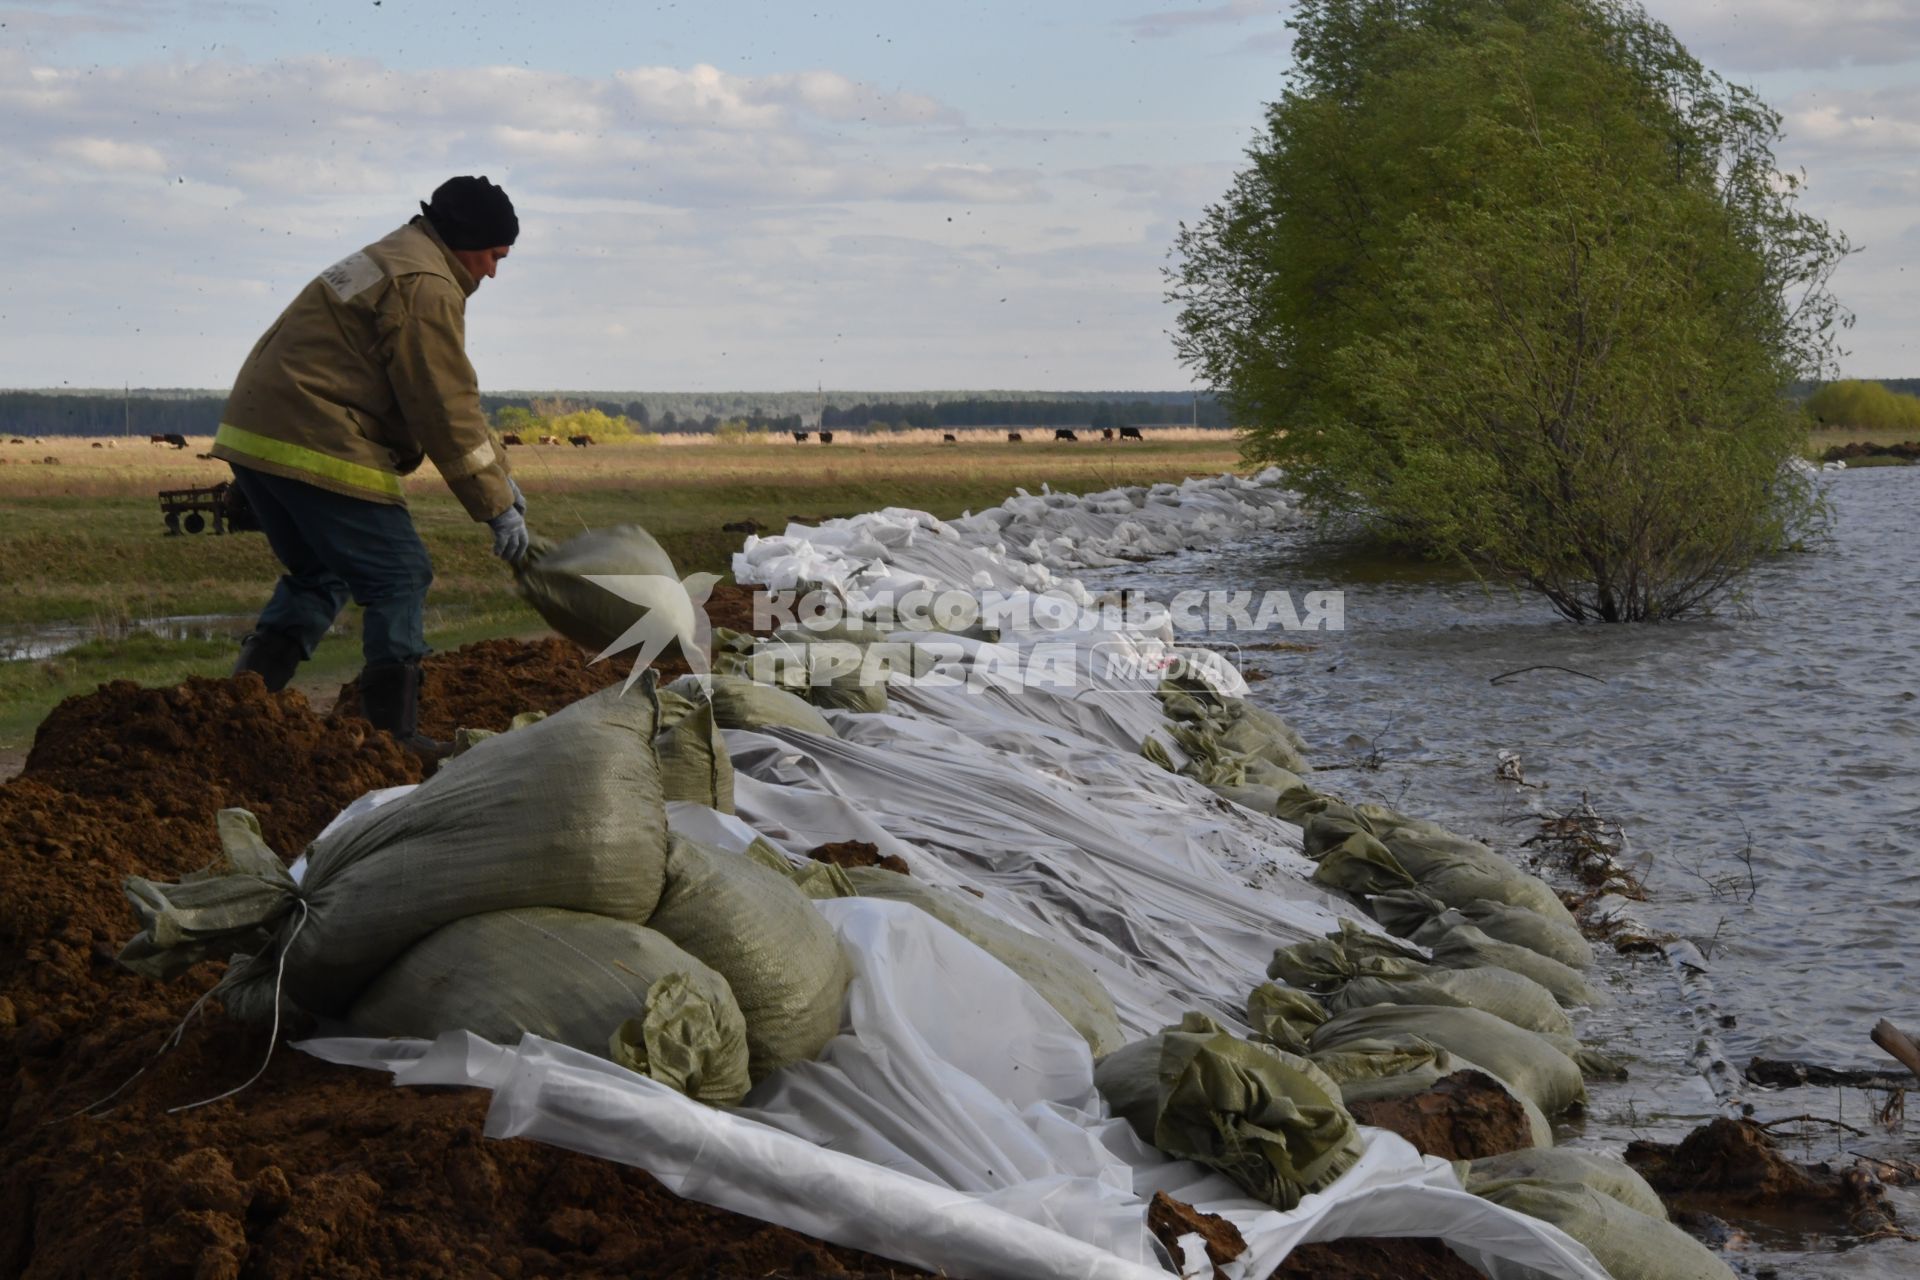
(953, 1123)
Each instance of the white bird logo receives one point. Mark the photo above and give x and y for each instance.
(670, 610)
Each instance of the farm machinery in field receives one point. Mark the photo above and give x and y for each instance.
(220, 505)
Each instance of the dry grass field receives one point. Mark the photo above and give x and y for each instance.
(82, 544)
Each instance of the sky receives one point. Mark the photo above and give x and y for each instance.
(736, 195)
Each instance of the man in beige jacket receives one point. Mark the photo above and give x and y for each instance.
(362, 378)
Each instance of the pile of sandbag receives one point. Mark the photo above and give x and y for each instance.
(531, 885)
(1241, 750)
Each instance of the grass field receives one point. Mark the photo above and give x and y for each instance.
(81, 539)
(1825, 438)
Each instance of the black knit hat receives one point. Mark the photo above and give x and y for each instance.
(472, 213)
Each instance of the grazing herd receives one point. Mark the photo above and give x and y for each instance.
(799, 437)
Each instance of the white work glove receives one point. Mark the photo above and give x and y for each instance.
(519, 498)
(509, 535)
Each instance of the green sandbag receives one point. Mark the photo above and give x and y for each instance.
(1465, 947)
(564, 813)
(1050, 969)
(1520, 927)
(1500, 992)
(1526, 1061)
(1254, 734)
(765, 938)
(553, 579)
(1275, 729)
(600, 985)
(465, 739)
(1299, 803)
(1283, 1017)
(1257, 798)
(694, 764)
(1269, 1120)
(1564, 1164)
(1330, 828)
(1321, 964)
(739, 703)
(1629, 1244)
(1263, 773)
(1459, 871)
(1360, 865)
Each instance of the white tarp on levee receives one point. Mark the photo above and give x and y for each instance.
(953, 1124)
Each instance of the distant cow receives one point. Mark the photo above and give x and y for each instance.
(579, 442)
(1106, 433)
(1131, 433)
(509, 438)
(799, 437)
(949, 438)
(16, 440)
(826, 437)
(549, 439)
(98, 445)
(1062, 433)
(174, 439)
(1013, 437)
(156, 439)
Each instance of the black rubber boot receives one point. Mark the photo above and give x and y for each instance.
(272, 655)
(390, 700)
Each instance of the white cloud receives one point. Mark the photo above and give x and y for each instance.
(1171, 22)
(1736, 36)
(681, 226)
(112, 156)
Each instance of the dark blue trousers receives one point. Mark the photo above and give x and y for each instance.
(335, 548)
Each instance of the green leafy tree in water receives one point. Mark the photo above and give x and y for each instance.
(1519, 283)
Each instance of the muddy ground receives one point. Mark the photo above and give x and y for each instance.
(314, 1170)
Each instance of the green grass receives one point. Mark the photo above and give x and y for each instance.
(85, 545)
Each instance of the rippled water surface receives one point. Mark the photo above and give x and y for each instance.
(1766, 765)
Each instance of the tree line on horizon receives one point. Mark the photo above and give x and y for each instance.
(37, 413)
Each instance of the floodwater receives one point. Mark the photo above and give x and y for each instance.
(34, 644)
(1764, 763)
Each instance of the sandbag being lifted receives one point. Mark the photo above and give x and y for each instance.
(553, 579)
(605, 986)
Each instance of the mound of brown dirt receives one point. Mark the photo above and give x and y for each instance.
(486, 684)
(316, 1170)
(857, 853)
(187, 751)
(1413, 1258)
(1463, 1117)
(1732, 1169)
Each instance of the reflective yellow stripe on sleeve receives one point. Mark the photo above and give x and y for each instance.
(312, 461)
